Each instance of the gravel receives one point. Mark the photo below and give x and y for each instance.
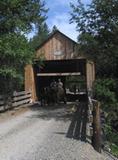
(40, 134)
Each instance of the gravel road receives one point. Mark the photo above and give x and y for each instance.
(40, 134)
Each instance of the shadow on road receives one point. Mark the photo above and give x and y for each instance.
(77, 128)
(58, 112)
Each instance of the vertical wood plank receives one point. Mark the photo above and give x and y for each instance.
(96, 139)
(30, 83)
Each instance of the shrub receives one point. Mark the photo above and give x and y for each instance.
(106, 91)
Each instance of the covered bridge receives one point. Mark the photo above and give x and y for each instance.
(60, 59)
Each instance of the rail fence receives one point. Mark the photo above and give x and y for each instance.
(18, 99)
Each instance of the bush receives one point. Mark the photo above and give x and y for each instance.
(106, 91)
(114, 149)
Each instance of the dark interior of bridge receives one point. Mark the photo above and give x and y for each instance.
(60, 66)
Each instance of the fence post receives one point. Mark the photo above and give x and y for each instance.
(96, 139)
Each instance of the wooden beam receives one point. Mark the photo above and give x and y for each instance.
(19, 103)
(30, 83)
(21, 97)
(96, 139)
(59, 74)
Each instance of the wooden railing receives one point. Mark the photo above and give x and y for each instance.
(95, 123)
(18, 99)
(1, 103)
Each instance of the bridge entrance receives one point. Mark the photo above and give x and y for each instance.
(73, 74)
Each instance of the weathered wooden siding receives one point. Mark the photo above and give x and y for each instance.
(30, 83)
(90, 74)
(58, 47)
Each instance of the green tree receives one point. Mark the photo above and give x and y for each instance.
(20, 15)
(14, 54)
(17, 18)
(41, 34)
(54, 28)
(98, 26)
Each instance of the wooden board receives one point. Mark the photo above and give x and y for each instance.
(20, 102)
(22, 97)
(59, 74)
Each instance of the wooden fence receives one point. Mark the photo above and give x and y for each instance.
(1, 103)
(18, 99)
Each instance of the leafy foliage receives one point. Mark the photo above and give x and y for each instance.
(106, 91)
(15, 53)
(54, 28)
(98, 25)
(114, 149)
(41, 35)
(17, 17)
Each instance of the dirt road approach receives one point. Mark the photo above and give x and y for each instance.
(40, 134)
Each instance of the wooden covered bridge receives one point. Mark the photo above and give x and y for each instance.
(60, 60)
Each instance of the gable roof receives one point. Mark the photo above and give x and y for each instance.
(51, 35)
